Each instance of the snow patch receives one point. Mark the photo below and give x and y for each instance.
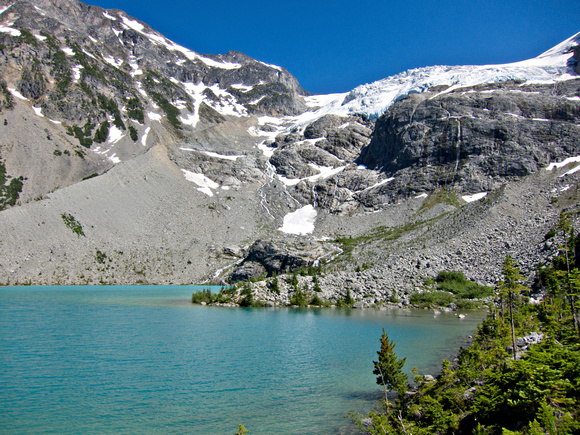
(300, 222)
(322, 100)
(204, 184)
(68, 51)
(221, 156)
(243, 88)
(272, 66)
(154, 116)
(77, 73)
(266, 150)
(110, 17)
(474, 197)
(17, 94)
(10, 30)
(38, 111)
(40, 37)
(191, 119)
(380, 183)
(325, 172)
(115, 134)
(145, 135)
(569, 160)
(423, 195)
(132, 24)
(113, 61)
(289, 181)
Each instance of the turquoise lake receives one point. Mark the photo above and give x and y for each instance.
(130, 359)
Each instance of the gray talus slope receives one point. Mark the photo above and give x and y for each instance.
(149, 222)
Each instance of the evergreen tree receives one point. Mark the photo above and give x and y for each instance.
(510, 288)
(389, 369)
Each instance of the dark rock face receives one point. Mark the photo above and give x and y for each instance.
(474, 139)
(575, 60)
(265, 258)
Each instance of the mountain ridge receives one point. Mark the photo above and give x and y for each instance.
(176, 164)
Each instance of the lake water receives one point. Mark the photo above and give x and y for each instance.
(127, 359)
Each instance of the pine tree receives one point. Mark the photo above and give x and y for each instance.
(389, 369)
(510, 288)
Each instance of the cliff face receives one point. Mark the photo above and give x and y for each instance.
(474, 139)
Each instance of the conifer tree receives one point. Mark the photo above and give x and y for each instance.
(389, 369)
(510, 288)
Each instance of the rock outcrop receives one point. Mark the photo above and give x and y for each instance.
(474, 139)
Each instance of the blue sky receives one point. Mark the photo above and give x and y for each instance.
(334, 46)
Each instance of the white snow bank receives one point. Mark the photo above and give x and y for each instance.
(189, 119)
(9, 30)
(243, 88)
(221, 156)
(266, 150)
(423, 195)
(322, 100)
(300, 221)
(132, 24)
(17, 94)
(38, 111)
(154, 116)
(112, 61)
(145, 135)
(205, 184)
(325, 172)
(77, 73)
(569, 160)
(474, 197)
(115, 134)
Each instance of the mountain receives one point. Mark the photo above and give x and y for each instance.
(127, 158)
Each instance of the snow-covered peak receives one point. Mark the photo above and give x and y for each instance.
(374, 99)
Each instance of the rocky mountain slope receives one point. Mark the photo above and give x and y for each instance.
(127, 158)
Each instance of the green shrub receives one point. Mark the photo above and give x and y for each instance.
(202, 296)
(247, 299)
(102, 132)
(274, 286)
(456, 283)
(431, 299)
(299, 298)
(73, 224)
(170, 110)
(135, 111)
(316, 301)
(133, 133)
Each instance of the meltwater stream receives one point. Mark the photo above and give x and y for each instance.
(128, 359)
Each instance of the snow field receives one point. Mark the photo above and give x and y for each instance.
(300, 222)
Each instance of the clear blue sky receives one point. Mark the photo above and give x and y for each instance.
(334, 46)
